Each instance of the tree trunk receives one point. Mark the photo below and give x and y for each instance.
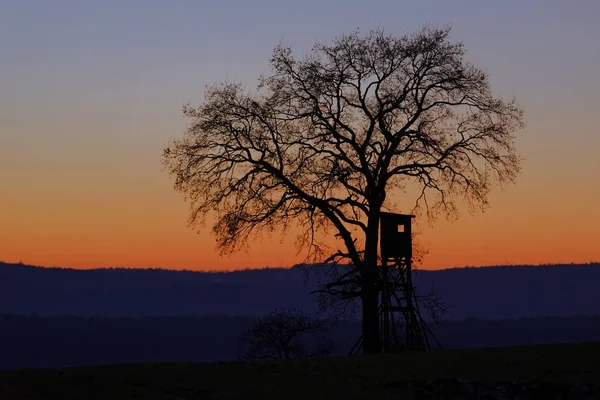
(370, 293)
(370, 321)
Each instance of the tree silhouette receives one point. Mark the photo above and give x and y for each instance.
(327, 137)
(284, 334)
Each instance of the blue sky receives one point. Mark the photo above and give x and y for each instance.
(90, 92)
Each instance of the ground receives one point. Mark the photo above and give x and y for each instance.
(569, 370)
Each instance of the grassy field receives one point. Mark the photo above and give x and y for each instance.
(553, 367)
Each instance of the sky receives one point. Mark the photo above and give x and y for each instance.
(92, 91)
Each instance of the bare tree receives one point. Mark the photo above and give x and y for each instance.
(327, 137)
(286, 334)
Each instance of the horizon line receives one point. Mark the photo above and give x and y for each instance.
(247, 269)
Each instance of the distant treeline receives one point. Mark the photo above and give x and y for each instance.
(29, 341)
(488, 293)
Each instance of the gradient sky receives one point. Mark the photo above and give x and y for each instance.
(91, 91)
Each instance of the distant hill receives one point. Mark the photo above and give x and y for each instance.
(486, 293)
(28, 341)
(199, 316)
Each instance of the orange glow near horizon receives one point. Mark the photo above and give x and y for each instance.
(85, 230)
(84, 212)
(87, 213)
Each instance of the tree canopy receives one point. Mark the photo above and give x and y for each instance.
(325, 138)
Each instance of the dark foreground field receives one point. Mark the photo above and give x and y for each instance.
(571, 371)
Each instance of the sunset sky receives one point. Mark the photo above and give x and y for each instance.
(91, 92)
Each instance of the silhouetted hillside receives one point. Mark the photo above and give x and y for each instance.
(517, 291)
(33, 341)
(490, 292)
(149, 292)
